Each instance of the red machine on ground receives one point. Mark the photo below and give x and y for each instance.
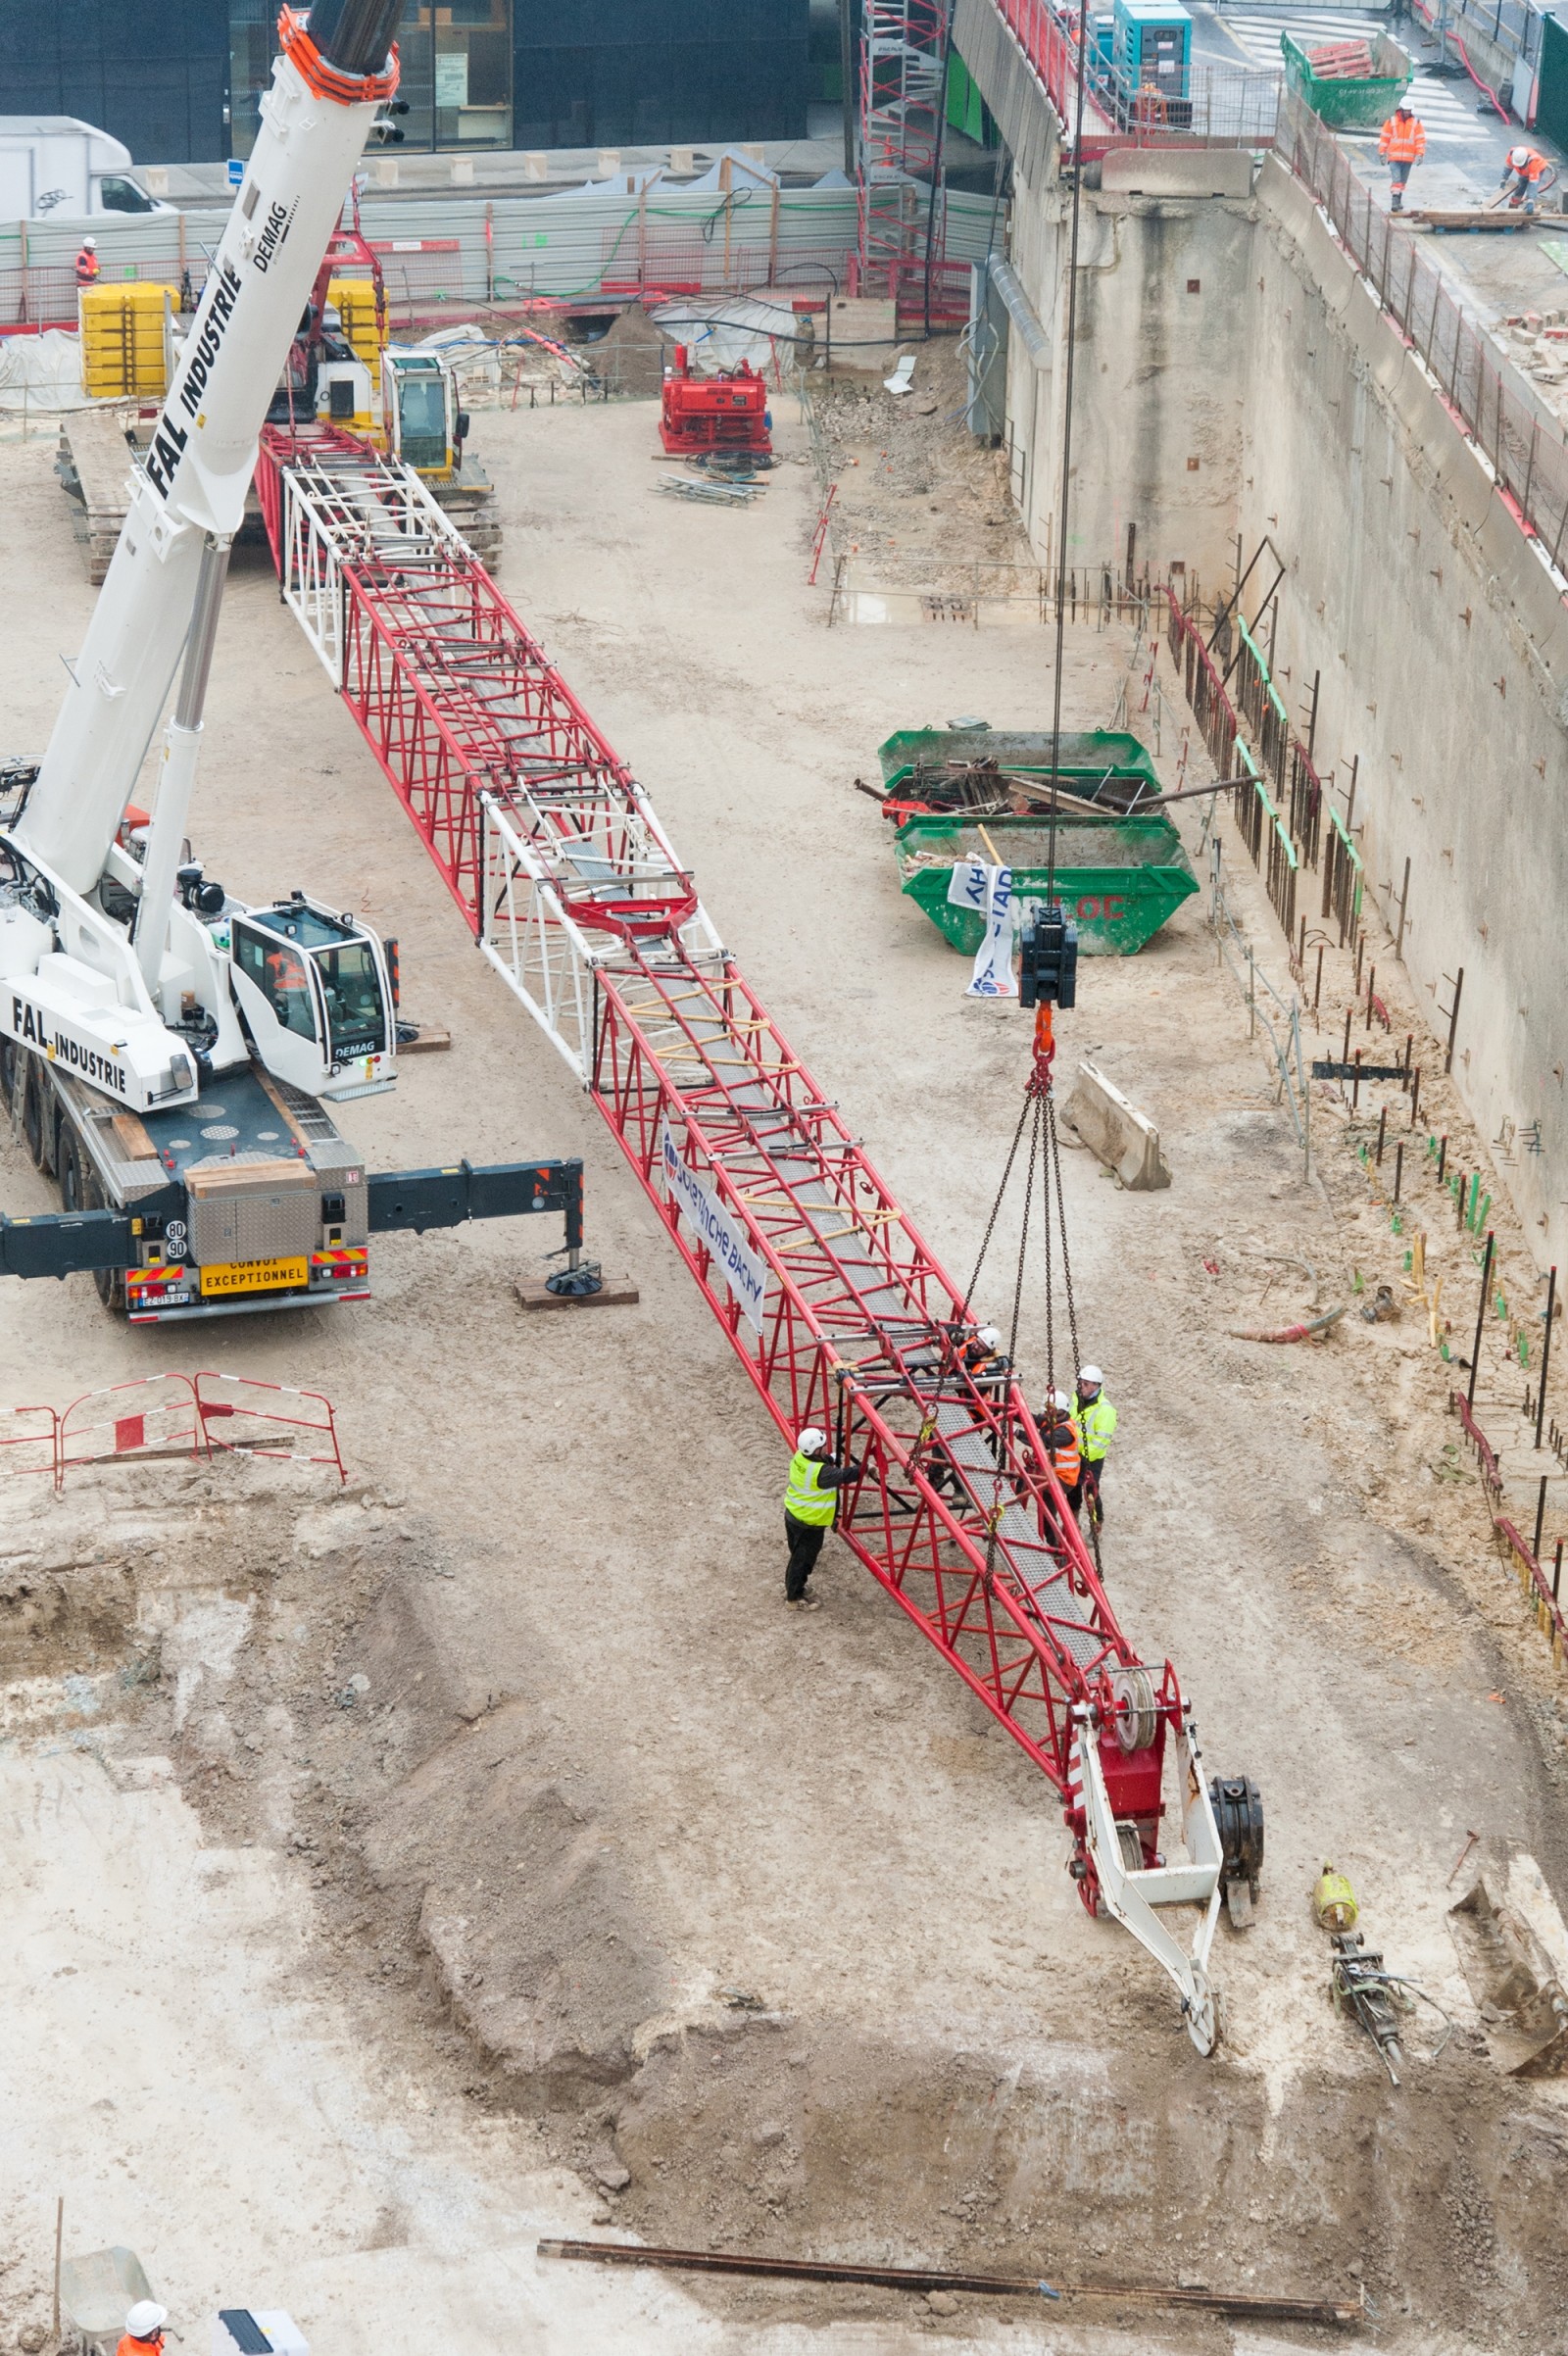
(723, 416)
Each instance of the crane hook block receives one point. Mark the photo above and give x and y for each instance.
(1048, 967)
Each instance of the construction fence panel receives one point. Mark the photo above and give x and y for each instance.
(155, 1416)
(460, 254)
(239, 1412)
(1487, 395)
(29, 1441)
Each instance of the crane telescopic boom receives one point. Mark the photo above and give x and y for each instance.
(334, 74)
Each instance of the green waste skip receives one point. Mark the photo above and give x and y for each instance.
(1349, 101)
(1120, 878)
(953, 768)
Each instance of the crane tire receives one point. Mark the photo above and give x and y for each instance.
(33, 1118)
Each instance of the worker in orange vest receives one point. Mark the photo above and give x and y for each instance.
(1058, 1436)
(144, 2329)
(1526, 165)
(88, 263)
(1401, 143)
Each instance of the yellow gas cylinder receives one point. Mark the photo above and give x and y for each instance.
(1334, 1901)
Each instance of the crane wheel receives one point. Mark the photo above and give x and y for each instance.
(1137, 1713)
(71, 1190)
(33, 1112)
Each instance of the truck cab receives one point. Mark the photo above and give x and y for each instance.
(56, 168)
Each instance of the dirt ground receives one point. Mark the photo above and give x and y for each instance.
(401, 1874)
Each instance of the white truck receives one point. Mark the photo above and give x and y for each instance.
(53, 167)
(169, 1052)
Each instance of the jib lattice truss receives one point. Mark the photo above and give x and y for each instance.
(574, 892)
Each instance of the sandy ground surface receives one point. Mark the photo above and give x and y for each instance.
(493, 1783)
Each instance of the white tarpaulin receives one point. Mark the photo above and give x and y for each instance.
(988, 889)
(42, 371)
(742, 1268)
(719, 331)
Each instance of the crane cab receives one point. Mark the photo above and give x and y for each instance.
(316, 997)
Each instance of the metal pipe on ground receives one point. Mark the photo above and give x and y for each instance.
(928, 2278)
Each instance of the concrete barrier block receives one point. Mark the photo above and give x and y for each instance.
(1125, 1138)
(1177, 171)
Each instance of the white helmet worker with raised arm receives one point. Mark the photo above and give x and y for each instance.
(808, 1508)
(1095, 1419)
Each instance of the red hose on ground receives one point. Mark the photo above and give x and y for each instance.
(1288, 1333)
(1484, 88)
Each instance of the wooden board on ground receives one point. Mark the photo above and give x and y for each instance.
(95, 454)
(616, 1293)
(429, 1038)
(1448, 217)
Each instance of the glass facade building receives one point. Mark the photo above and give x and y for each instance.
(179, 81)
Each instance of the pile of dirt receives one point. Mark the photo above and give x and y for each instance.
(920, 502)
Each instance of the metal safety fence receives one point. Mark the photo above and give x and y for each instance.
(158, 1417)
(1524, 448)
(1223, 106)
(453, 257)
(1220, 724)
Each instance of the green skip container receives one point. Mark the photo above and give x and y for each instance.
(1095, 762)
(1120, 878)
(1350, 102)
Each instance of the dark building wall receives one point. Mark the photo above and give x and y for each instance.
(151, 72)
(643, 73)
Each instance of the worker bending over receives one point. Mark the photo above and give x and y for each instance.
(1525, 166)
(144, 2329)
(1401, 143)
(809, 1507)
(1095, 1419)
(88, 263)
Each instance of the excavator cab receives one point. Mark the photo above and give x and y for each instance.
(316, 997)
(424, 427)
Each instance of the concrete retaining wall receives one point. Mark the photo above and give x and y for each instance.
(1440, 635)
(1442, 644)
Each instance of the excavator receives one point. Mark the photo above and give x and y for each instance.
(168, 1051)
(343, 370)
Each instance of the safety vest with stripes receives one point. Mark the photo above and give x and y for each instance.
(1096, 1422)
(802, 1498)
(1402, 142)
(1065, 1462)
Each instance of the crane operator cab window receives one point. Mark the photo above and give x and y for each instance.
(312, 989)
(277, 969)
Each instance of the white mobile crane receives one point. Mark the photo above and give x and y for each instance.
(166, 1049)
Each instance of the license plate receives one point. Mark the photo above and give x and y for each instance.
(254, 1275)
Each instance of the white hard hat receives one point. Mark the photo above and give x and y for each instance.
(811, 1440)
(991, 1336)
(1090, 1378)
(146, 2318)
(1518, 155)
(1059, 1400)
(91, 244)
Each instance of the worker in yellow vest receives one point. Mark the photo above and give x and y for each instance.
(809, 1502)
(1095, 1421)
